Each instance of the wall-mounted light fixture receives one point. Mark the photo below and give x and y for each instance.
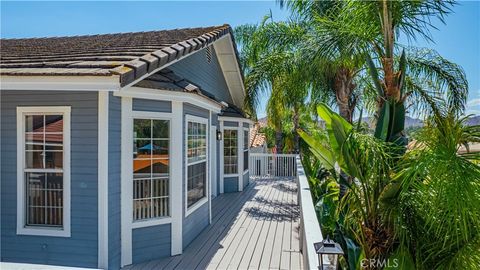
(219, 135)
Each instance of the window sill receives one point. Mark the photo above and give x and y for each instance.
(151, 222)
(43, 231)
(194, 207)
(231, 175)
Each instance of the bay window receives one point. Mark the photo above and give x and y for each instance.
(151, 169)
(196, 137)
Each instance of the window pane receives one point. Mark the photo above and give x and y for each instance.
(142, 148)
(141, 128)
(53, 123)
(34, 123)
(245, 160)
(160, 148)
(34, 159)
(44, 199)
(160, 167)
(161, 129)
(53, 159)
(196, 183)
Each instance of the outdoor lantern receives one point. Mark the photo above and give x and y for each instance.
(328, 252)
(219, 135)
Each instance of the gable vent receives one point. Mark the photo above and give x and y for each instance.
(208, 52)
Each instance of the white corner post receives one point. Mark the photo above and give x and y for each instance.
(240, 155)
(126, 185)
(210, 155)
(221, 157)
(177, 176)
(103, 179)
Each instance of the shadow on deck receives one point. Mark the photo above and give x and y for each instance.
(254, 229)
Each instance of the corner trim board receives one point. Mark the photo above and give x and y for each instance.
(103, 180)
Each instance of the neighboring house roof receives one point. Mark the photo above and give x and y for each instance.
(256, 137)
(128, 55)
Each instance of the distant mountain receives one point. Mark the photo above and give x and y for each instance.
(473, 121)
(409, 122)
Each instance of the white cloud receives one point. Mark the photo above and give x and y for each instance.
(473, 102)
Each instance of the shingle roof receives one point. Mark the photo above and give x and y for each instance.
(129, 55)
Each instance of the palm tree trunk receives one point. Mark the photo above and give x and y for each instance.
(344, 86)
(296, 125)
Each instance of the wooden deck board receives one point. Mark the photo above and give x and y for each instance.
(254, 229)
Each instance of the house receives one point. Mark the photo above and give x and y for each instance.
(113, 146)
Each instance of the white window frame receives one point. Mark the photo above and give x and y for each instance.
(201, 202)
(158, 220)
(248, 147)
(22, 229)
(236, 128)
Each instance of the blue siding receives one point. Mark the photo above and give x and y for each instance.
(114, 171)
(208, 76)
(246, 125)
(230, 184)
(246, 179)
(151, 105)
(81, 249)
(151, 243)
(198, 220)
(230, 124)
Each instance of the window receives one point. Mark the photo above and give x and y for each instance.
(230, 151)
(245, 149)
(196, 160)
(151, 173)
(43, 164)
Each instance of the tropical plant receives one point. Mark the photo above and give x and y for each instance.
(365, 159)
(407, 209)
(435, 197)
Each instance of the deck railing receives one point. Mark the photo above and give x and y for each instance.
(272, 165)
(310, 231)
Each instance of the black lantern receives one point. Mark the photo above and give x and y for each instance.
(219, 135)
(328, 252)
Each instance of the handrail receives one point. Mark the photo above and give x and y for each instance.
(310, 231)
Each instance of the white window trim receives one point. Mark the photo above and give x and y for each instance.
(37, 230)
(223, 153)
(201, 202)
(159, 220)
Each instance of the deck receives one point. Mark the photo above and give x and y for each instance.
(254, 229)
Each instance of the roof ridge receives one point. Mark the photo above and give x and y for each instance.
(117, 33)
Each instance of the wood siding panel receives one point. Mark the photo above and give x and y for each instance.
(81, 248)
(114, 171)
(208, 76)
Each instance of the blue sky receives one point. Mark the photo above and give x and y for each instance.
(458, 40)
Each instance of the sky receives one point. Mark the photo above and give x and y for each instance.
(458, 40)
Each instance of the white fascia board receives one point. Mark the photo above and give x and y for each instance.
(63, 83)
(168, 95)
(231, 72)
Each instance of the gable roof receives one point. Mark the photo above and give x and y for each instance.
(130, 56)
